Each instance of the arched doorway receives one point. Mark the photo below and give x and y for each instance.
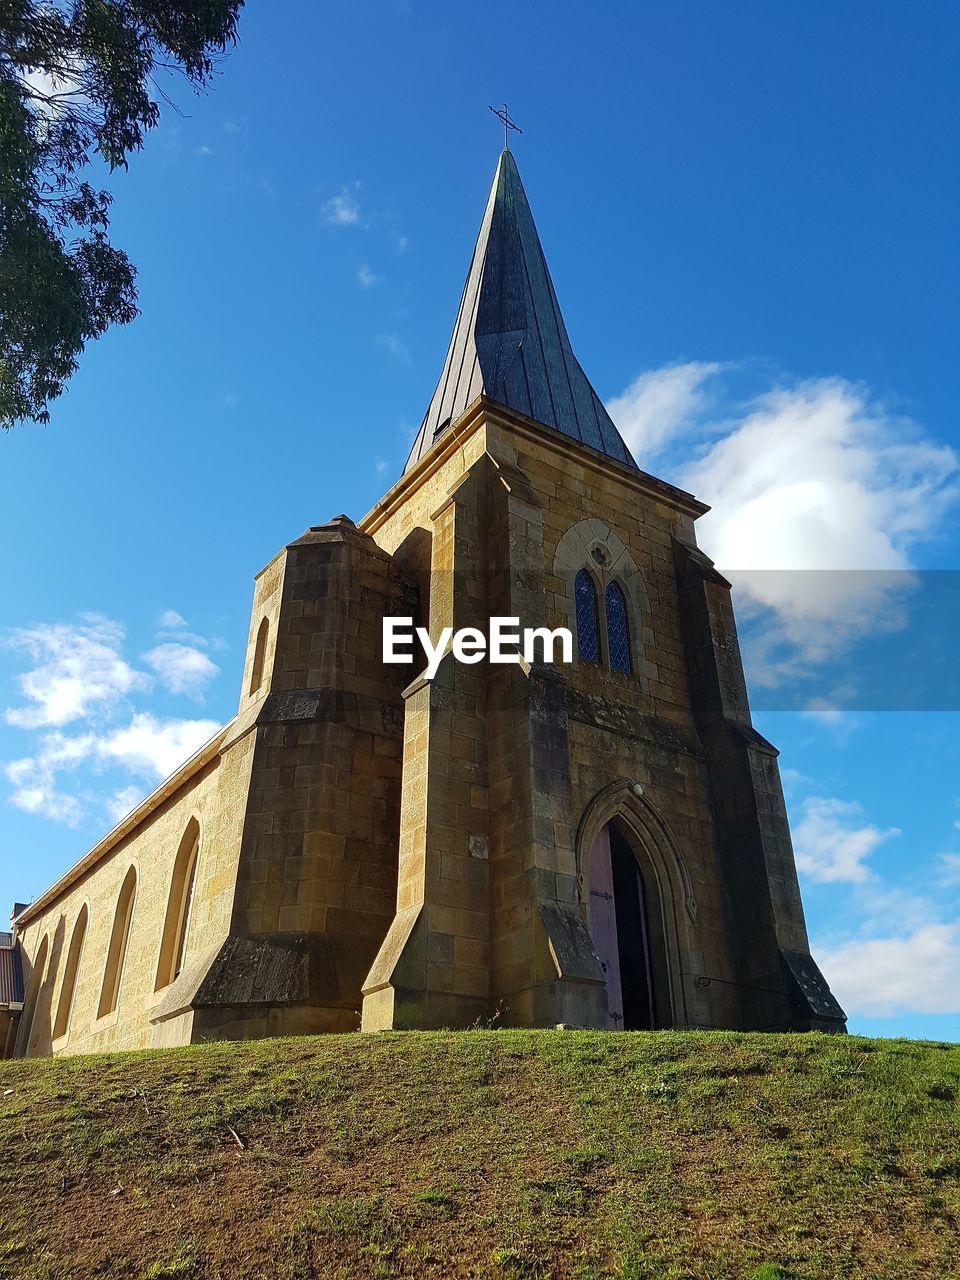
(624, 917)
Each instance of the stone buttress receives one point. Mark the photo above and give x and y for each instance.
(316, 879)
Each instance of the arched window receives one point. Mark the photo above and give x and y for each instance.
(69, 988)
(117, 953)
(259, 654)
(618, 632)
(176, 923)
(29, 1014)
(588, 622)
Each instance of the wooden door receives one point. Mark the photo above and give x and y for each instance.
(602, 917)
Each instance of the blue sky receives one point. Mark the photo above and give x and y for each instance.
(750, 215)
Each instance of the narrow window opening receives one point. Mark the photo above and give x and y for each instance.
(185, 918)
(588, 621)
(176, 924)
(69, 989)
(28, 1017)
(259, 655)
(117, 953)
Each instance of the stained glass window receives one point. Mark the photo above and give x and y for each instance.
(588, 622)
(618, 635)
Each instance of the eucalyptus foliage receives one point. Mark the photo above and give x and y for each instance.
(79, 82)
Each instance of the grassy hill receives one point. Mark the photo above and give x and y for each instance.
(487, 1154)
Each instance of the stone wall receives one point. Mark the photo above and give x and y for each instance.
(216, 797)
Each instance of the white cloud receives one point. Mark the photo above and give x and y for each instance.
(949, 869)
(659, 404)
(818, 477)
(152, 746)
(34, 778)
(879, 907)
(365, 277)
(904, 958)
(170, 620)
(147, 746)
(123, 801)
(79, 673)
(915, 973)
(54, 90)
(343, 209)
(181, 668)
(47, 802)
(791, 779)
(172, 627)
(832, 842)
(823, 713)
(841, 724)
(805, 478)
(78, 669)
(880, 928)
(393, 343)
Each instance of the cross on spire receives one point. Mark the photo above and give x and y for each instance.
(504, 117)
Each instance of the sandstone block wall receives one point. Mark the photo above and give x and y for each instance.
(216, 797)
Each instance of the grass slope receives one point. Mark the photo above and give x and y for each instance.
(486, 1154)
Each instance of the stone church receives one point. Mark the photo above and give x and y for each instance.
(600, 843)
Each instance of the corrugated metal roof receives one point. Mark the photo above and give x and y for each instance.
(11, 975)
(509, 341)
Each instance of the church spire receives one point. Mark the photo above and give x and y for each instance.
(509, 342)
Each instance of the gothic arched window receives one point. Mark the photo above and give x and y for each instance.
(117, 953)
(588, 620)
(69, 988)
(618, 632)
(176, 924)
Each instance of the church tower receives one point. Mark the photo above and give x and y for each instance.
(600, 842)
(603, 843)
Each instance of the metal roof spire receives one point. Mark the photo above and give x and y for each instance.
(509, 341)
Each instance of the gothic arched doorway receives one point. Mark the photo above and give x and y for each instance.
(625, 921)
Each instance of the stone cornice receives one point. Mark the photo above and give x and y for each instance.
(486, 412)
